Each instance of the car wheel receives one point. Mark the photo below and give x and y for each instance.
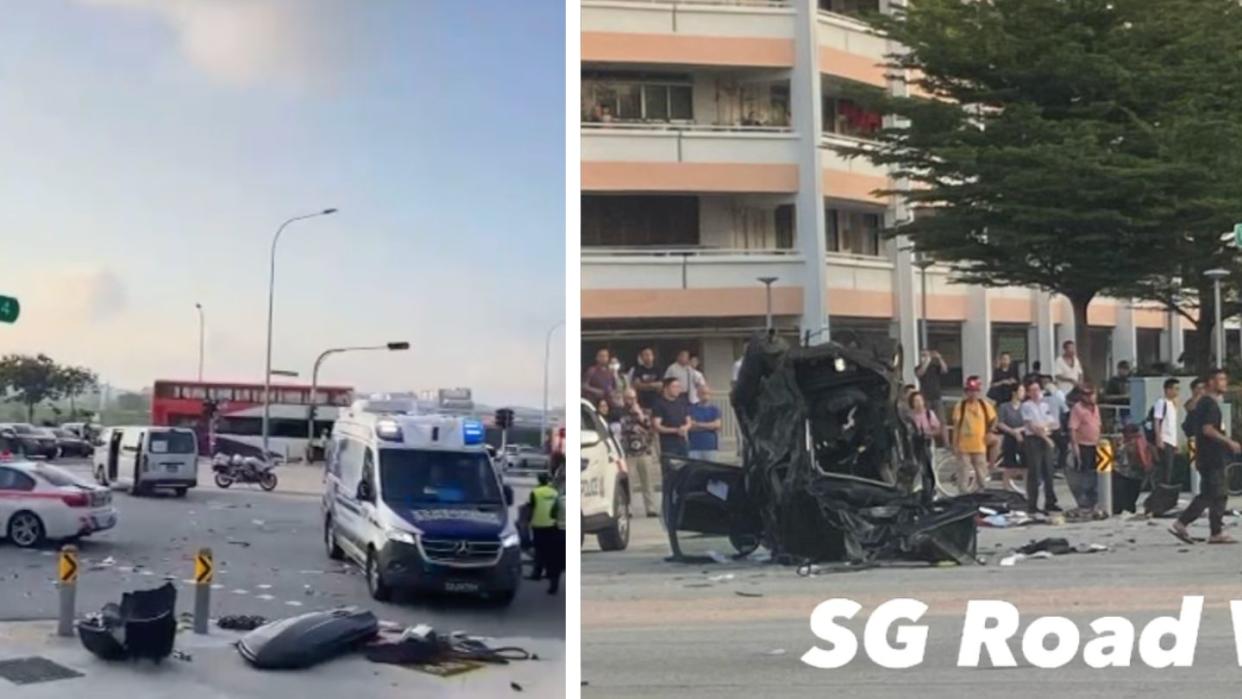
(329, 541)
(26, 530)
(617, 536)
(379, 590)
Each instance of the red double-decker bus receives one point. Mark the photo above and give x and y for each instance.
(238, 415)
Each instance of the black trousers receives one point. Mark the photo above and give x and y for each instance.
(1213, 496)
(1038, 456)
(555, 551)
(543, 539)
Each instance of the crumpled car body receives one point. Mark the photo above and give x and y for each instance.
(831, 470)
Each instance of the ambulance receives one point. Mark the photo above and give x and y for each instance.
(416, 502)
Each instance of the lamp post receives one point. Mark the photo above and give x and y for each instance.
(767, 283)
(547, 352)
(199, 306)
(1216, 275)
(314, 392)
(922, 262)
(271, 289)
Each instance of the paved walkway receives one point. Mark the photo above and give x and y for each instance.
(216, 671)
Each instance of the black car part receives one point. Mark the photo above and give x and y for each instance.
(831, 469)
(308, 639)
(142, 626)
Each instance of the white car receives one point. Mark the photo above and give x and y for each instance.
(605, 484)
(40, 502)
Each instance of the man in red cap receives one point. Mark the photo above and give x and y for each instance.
(973, 420)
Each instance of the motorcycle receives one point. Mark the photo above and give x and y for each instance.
(236, 469)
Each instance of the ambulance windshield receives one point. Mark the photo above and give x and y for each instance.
(416, 477)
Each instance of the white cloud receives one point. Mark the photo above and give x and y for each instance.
(303, 44)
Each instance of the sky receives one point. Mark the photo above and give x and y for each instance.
(151, 148)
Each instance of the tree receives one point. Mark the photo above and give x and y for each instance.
(1041, 155)
(31, 380)
(73, 382)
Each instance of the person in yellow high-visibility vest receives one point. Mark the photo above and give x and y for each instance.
(542, 524)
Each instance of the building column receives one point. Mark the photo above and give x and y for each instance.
(1044, 350)
(1065, 329)
(1174, 337)
(805, 91)
(718, 364)
(977, 334)
(1125, 336)
(906, 287)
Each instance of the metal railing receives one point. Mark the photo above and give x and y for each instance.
(686, 127)
(674, 251)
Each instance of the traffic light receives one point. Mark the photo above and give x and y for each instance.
(504, 418)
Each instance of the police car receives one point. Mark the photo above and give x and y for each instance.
(40, 502)
(418, 504)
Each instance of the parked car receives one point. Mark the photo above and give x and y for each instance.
(35, 441)
(10, 446)
(69, 444)
(40, 502)
(525, 457)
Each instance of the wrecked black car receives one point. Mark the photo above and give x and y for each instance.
(831, 471)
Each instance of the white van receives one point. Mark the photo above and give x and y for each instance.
(416, 501)
(145, 458)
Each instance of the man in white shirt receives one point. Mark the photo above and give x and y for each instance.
(1165, 427)
(687, 375)
(1068, 368)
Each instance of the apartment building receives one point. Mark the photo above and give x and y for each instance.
(707, 138)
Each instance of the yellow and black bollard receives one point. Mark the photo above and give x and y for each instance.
(204, 573)
(67, 581)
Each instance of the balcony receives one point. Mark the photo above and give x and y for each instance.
(652, 268)
(849, 47)
(771, 19)
(688, 143)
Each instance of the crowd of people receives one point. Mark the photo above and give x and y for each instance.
(1034, 425)
(653, 412)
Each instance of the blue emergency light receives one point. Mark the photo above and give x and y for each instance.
(472, 432)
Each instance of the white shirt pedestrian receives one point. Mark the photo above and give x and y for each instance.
(1166, 411)
(1066, 369)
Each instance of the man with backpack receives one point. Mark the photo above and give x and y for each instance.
(1164, 425)
(973, 420)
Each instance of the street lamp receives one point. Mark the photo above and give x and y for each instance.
(271, 289)
(199, 306)
(1216, 275)
(547, 351)
(767, 283)
(923, 261)
(310, 417)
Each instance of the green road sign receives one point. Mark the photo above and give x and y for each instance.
(1237, 234)
(9, 309)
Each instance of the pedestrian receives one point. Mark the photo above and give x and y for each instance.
(705, 433)
(1037, 447)
(699, 379)
(1056, 398)
(1117, 390)
(973, 419)
(636, 438)
(599, 382)
(1012, 429)
(903, 405)
(926, 424)
(645, 378)
(686, 375)
(556, 546)
(542, 525)
(1214, 450)
(613, 420)
(1005, 379)
(1068, 368)
(930, 372)
(1084, 428)
(620, 380)
(1164, 430)
(1197, 391)
(671, 419)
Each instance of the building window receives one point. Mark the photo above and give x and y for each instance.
(786, 224)
(632, 221)
(636, 97)
(846, 117)
(853, 232)
(850, 7)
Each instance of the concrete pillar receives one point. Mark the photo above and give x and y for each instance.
(1174, 337)
(977, 334)
(1125, 336)
(906, 287)
(718, 364)
(1044, 349)
(805, 90)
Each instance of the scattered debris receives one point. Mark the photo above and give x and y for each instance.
(743, 593)
(515, 686)
(240, 622)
